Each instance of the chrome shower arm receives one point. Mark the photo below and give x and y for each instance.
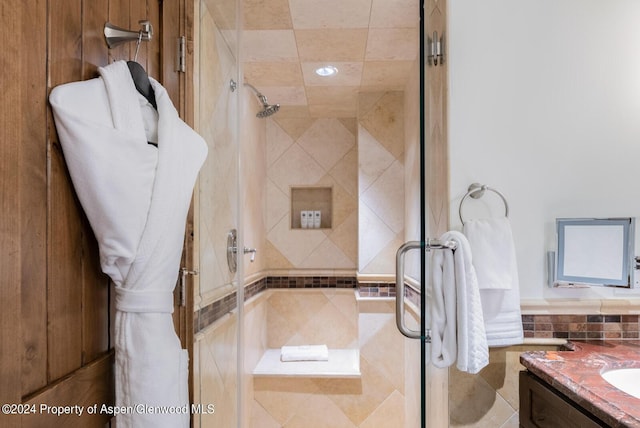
(253, 88)
(259, 94)
(267, 109)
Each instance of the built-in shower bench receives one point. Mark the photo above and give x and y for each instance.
(342, 363)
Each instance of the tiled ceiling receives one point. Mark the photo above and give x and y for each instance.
(372, 43)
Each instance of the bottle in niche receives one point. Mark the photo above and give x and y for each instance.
(316, 219)
(304, 219)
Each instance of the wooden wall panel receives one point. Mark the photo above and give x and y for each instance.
(95, 52)
(189, 32)
(137, 12)
(95, 285)
(171, 12)
(33, 199)
(153, 46)
(90, 385)
(11, 122)
(190, 254)
(55, 320)
(172, 15)
(119, 16)
(65, 222)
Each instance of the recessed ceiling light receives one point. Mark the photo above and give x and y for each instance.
(328, 70)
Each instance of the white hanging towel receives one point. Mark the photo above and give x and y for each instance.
(136, 198)
(494, 259)
(457, 326)
(494, 254)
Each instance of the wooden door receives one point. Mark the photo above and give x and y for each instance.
(55, 347)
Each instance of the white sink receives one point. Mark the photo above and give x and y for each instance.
(627, 380)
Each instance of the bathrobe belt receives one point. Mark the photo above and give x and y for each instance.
(149, 301)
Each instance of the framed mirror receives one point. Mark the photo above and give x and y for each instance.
(595, 251)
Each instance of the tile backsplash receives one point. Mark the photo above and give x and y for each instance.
(581, 327)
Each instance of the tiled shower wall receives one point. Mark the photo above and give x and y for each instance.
(311, 152)
(362, 160)
(381, 173)
(217, 184)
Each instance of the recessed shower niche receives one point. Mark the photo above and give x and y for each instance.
(311, 207)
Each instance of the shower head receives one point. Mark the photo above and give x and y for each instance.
(267, 109)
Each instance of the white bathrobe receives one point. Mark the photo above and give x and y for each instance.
(136, 197)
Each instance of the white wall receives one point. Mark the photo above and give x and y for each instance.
(545, 106)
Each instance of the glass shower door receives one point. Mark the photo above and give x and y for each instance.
(217, 314)
(426, 214)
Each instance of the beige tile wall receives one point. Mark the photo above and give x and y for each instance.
(218, 189)
(380, 180)
(216, 373)
(436, 127)
(255, 344)
(215, 369)
(253, 182)
(302, 317)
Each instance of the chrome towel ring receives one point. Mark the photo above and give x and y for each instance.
(476, 191)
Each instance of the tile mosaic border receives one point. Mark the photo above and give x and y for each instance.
(206, 316)
(377, 289)
(311, 282)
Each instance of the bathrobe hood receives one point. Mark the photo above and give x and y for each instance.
(136, 197)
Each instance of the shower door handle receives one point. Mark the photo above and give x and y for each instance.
(404, 248)
(232, 250)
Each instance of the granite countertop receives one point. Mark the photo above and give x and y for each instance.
(575, 372)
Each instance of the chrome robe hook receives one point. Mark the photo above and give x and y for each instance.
(116, 35)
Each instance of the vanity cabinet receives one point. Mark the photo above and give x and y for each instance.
(541, 406)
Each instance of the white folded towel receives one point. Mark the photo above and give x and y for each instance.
(304, 353)
(494, 254)
(494, 259)
(457, 326)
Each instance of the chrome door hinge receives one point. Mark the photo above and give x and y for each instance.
(181, 54)
(435, 49)
(183, 284)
